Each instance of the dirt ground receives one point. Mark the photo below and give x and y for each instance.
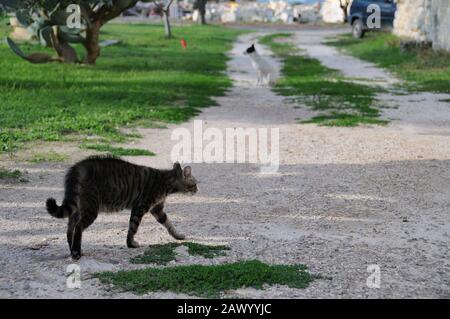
(342, 199)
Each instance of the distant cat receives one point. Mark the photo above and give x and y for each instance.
(264, 70)
(105, 183)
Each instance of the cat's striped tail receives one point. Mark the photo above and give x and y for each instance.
(62, 211)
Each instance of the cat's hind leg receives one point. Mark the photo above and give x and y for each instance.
(135, 220)
(161, 217)
(73, 219)
(77, 225)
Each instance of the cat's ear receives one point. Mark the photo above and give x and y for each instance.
(177, 168)
(187, 171)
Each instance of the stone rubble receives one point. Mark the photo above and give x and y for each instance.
(424, 21)
(331, 12)
(272, 11)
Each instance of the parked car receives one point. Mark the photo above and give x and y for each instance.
(360, 12)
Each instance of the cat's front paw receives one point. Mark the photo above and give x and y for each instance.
(132, 244)
(76, 255)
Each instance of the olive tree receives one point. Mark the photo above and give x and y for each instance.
(60, 23)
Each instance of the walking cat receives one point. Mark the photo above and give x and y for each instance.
(108, 184)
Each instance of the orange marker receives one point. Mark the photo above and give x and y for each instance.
(183, 43)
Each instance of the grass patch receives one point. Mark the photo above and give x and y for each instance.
(427, 69)
(206, 251)
(208, 281)
(118, 151)
(14, 175)
(48, 157)
(308, 81)
(145, 78)
(161, 254)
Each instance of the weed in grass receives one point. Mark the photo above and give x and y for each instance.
(145, 78)
(161, 254)
(13, 175)
(208, 281)
(344, 103)
(427, 69)
(118, 151)
(48, 157)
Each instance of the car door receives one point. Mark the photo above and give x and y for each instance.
(364, 4)
(388, 8)
(368, 11)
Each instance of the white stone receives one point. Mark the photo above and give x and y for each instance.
(19, 32)
(307, 12)
(424, 20)
(331, 12)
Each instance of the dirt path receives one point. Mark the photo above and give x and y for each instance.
(406, 111)
(343, 199)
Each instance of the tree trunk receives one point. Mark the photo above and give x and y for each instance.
(91, 43)
(167, 27)
(344, 7)
(345, 14)
(65, 52)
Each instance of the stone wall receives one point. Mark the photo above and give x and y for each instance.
(332, 12)
(424, 21)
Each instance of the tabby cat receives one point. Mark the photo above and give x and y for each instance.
(101, 184)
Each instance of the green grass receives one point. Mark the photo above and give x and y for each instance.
(48, 157)
(14, 175)
(161, 254)
(146, 78)
(118, 151)
(208, 281)
(206, 251)
(307, 81)
(426, 70)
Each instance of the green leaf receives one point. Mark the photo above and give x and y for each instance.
(71, 35)
(45, 36)
(59, 17)
(24, 18)
(11, 4)
(13, 46)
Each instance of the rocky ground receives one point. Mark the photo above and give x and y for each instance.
(342, 199)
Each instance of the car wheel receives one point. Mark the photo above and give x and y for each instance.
(358, 29)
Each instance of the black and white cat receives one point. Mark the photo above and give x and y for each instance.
(264, 71)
